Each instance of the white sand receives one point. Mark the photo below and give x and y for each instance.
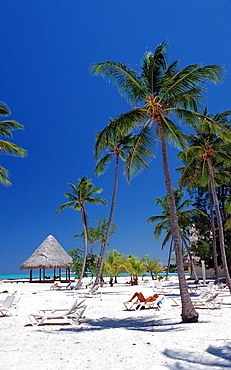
(109, 337)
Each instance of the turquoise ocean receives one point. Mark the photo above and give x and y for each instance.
(27, 276)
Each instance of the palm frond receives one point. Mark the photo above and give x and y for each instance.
(192, 76)
(166, 238)
(222, 118)
(128, 81)
(74, 189)
(189, 99)
(103, 164)
(117, 129)
(71, 197)
(166, 77)
(7, 126)
(4, 174)
(153, 66)
(97, 201)
(11, 149)
(140, 153)
(4, 109)
(173, 133)
(153, 219)
(64, 206)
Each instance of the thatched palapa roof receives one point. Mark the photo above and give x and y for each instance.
(48, 255)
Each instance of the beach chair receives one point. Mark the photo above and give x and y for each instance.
(201, 288)
(145, 282)
(159, 288)
(91, 293)
(177, 301)
(157, 304)
(69, 286)
(209, 301)
(6, 305)
(72, 315)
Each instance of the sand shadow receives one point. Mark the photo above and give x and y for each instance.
(135, 324)
(215, 357)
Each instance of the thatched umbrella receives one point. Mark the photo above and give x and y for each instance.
(49, 255)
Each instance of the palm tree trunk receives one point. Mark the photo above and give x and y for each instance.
(169, 259)
(189, 313)
(112, 211)
(220, 226)
(84, 222)
(213, 236)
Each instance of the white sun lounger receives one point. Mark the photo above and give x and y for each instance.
(90, 293)
(160, 288)
(72, 315)
(6, 305)
(210, 301)
(157, 304)
(177, 301)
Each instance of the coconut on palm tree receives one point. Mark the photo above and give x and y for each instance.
(115, 142)
(205, 161)
(84, 192)
(160, 92)
(7, 147)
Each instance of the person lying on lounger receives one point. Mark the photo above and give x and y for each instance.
(140, 297)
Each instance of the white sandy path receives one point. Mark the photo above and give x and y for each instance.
(110, 337)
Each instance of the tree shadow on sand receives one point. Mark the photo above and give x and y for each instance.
(215, 357)
(134, 323)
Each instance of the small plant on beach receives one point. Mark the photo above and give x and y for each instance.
(136, 267)
(84, 192)
(7, 147)
(114, 264)
(153, 266)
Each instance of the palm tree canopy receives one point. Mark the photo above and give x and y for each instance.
(161, 90)
(115, 263)
(83, 192)
(164, 224)
(115, 140)
(206, 144)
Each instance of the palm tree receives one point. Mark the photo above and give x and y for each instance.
(184, 220)
(205, 158)
(136, 267)
(162, 91)
(152, 266)
(114, 264)
(115, 142)
(83, 193)
(7, 147)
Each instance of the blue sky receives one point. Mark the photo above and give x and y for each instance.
(47, 48)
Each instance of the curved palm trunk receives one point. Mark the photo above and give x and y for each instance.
(189, 313)
(84, 222)
(213, 236)
(112, 211)
(220, 226)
